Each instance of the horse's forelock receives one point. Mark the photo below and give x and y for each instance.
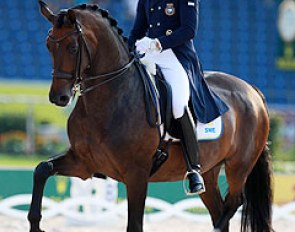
(61, 19)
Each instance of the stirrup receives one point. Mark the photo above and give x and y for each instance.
(186, 190)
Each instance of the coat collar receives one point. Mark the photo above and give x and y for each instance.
(153, 2)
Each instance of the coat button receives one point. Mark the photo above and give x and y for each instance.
(152, 9)
(159, 8)
(168, 32)
(158, 24)
(151, 25)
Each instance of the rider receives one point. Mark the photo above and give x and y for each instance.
(164, 32)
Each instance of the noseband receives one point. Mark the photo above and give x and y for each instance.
(77, 77)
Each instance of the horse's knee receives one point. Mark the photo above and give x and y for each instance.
(43, 171)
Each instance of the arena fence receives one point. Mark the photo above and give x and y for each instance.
(94, 201)
(90, 210)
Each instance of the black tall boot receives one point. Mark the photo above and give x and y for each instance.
(191, 153)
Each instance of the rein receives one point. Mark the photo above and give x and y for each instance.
(115, 75)
(77, 76)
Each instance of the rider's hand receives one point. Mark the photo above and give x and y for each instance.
(148, 45)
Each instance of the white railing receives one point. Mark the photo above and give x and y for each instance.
(95, 210)
(95, 201)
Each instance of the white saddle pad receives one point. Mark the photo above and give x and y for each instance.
(205, 132)
(210, 131)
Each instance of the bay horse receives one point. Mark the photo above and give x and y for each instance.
(109, 133)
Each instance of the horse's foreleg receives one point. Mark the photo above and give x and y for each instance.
(66, 165)
(42, 172)
(136, 191)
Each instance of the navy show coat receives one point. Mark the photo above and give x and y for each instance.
(175, 23)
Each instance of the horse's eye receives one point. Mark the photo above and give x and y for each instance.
(73, 48)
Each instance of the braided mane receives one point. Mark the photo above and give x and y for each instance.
(105, 14)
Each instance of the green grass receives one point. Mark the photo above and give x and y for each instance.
(20, 161)
(23, 88)
(48, 113)
(18, 91)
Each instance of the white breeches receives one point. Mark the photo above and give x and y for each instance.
(176, 76)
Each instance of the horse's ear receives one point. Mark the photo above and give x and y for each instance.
(71, 16)
(46, 12)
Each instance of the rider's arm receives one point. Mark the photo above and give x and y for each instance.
(140, 25)
(189, 10)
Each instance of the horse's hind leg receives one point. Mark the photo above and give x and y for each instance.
(212, 197)
(236, 177)
(62, 165)
(231, 204)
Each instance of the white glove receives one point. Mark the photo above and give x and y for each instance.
(148, 45)
(149, 65)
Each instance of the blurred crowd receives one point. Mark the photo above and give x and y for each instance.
(122, 10)
(128, 6)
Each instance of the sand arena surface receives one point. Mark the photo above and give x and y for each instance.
(61, 224)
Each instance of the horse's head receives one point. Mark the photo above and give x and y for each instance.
(82, 36)
(65, 42)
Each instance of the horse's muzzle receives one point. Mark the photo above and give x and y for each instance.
(59, 100)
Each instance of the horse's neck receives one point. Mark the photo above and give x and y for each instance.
(117, 102)
(111, 52)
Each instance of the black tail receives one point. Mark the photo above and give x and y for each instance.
(257, 208)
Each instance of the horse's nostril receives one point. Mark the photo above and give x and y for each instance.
(64, 99)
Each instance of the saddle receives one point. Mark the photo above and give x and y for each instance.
(158, 101)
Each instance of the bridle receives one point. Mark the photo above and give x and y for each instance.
(77, 77)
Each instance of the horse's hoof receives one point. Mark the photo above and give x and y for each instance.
(217, 230)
